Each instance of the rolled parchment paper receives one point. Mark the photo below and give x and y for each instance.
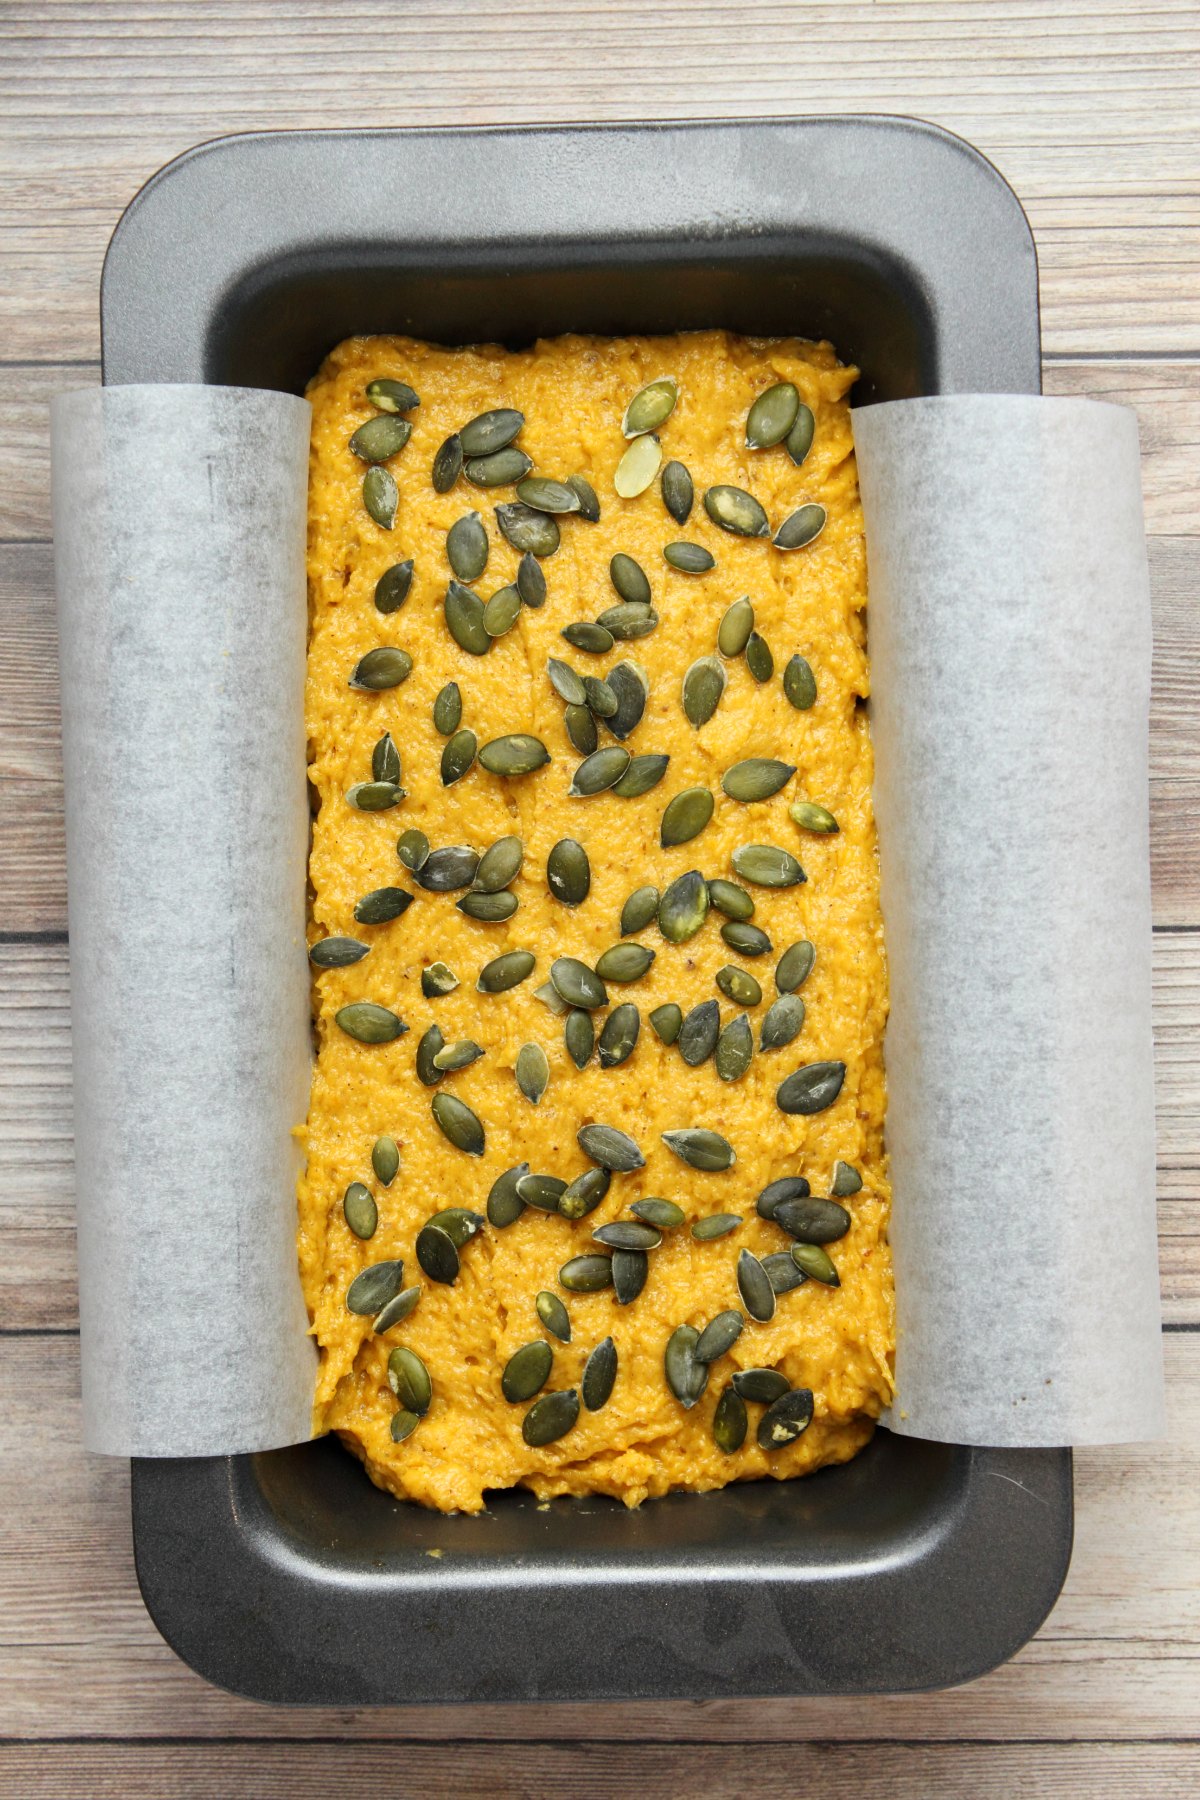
(1009, 625)
(179, 525)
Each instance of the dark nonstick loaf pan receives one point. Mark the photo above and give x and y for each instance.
(287, 1576)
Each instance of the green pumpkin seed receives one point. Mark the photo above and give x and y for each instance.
(491, 431)
(501, 612)
(373, 1287)
(452, 1057)
(735, 628)
(811, 1220)
(409, 1380)
(431, 1044)
(368, 1023)
(800, 528)
(667, 1021)
(783, 1274)
(783, 1022)
(656, 1211)
(578, 985)
(542, 1192)
(759, 660)
(629, 579)
(785, 1419)
(772, 416)
(609, 1148)
(638, 467)
(458, 1124)
(763, 1386)
(396, 1311)
(337, 952)
(550, 998)
(375, 796)
(719, 1336)
(678, 491)
(628, 1234)
(546, 495)
(811, 817)
(531, 582)
(527, 529)
(628, 621)
(729, 1422)
(637, 912)
(586, 1274)
(463, 613)
(385, 760)
(504, 1204)
(385, 1159)
(379, 438)
(585, 636)
(579, 1035)
(701, 1148)
(585, 493)
(846, 1180)
(629, 1271)
(568, 872)
(599, 1374)
(738, 985)
(467, 547)
(412, 847)
(643, 773)
(728, 898)
(686, 1378)
(458, 1222)
(754, 1285)
(620, 1035)
(499, 865)
(403, 1425)
(584, 1194)
(360, 1211)
(747, 939)
(599, 771)
(766, 865)
(453, 866)
(757, 778)
(517, 754)
(800, 684)
(631, 685)
(447, 464)
(581, 729)
(504, 972)
(683, 907)
(553, 1315)
(392, 396)
(550, 1418)
(689, 559)
(788, 1187)
(811, 1088)
(651, 406)
(527, 1371)
(703, 686)
(699, 1033)
(384, 667)
(812, 1260)
(716, 1225)
(501, 469)
(624, 962)
(601, 698)
(533, 1072)
(458, 756)
(799, 439)
(447, 708)
(795, 965)
(380, 495)
(736, 511)
(391, 590)
(437, 1254)
(685, 817)
(566, 683)
(437, 980)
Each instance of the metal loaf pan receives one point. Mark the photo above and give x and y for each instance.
(287, 1576)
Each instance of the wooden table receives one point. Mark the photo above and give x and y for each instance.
(1090, 110)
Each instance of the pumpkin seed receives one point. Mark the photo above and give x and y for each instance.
(766, 865)
(699, 1033)
(757, 778)
(787, 1187)
(678, 491)
(584, 1194)
(631, 685)
(458, 1222)
(550, 998)
(799, 439)
(689, 559)
(610, 1148)
(651, 406)
(729, 1422)
(754, 1285)
(501, 469)
(747, 939)
(783, 1022)
(599, 1374)
(359, 1210)
(458, 1124)
(584, 635)
(620, 1035)
(629, 1271)
(452, 1057)
(667, 1021)
(736, 511)
(585, 493)
(403, 1425)
(374, 796)
(504, 972)
(467, 547)
(811, 1088)
(337, 952)
(716, 1225)
(504, 1204)
(550, 1418)
(527, 1371)
(772, 416)
(738, 985)
(813, 1221)
(517, 754)
(437, 980)
(628, 1234)
(656, 1211)
(447, 708)
(409, 1380)
(600, 697)
(579, 1035)
(385, 1159)
(683, 907)
(578, 985)
(566, 683)
(581, 729)
(846, 1180)
(586, 1274)
(733, 633)
(800, 528)
(701, 1148)
(782, 1273)
(392, 396)
(499, 865)
(553, 1315)
(391, 590)
(412, 847)
(542, 1192)
(685, 817)
(800, 684)
(458, 756)
(638, 910)
(383, 667)
(759, 660)
(437, 1254)
(491, 431)
(812, 1260)
(629, 579)
(785, 1419)
(624, 962)
(452, 866)
(373, 1287)
(794, 966)
(463, 613)
(380, 495)
(396, 1310)
(760, 1385)
(568, 872)
(526, 529)
(703, 686)
(546, 495)
(719, 1336)
(628, 620)
(379, 438)
(447, 464)
(385, 760)
(728, 898)
(638, 467)
(431, 1044)
(533, 1072)
(368, 1023)
(599, 771)
(686, 1378)
(501, 612)
(643, 773)
(811, 817)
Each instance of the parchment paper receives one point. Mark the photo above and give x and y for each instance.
(1009, 623)
(179, 522)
